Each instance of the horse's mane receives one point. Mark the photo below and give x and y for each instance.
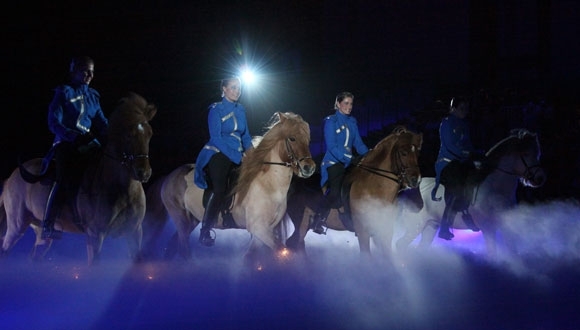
(276, 129)
(515, 139)
(383, 149)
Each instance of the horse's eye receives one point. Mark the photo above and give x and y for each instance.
(292, 139)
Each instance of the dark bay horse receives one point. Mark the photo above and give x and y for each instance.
(110, 200)
(513, 160)
(375, 182)
(259, 196)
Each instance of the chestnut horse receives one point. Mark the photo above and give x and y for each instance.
(110, 199)
(513, 160)
(259, 196)
(375, 182)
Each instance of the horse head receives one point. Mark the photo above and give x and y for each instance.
(395, 157)
(529, 152)
(405, 154)
(296, 133)
(519, 155)
(129, 135)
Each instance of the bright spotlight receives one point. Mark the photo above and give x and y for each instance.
(248, 76)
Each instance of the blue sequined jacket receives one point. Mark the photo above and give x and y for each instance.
(76, 110)
(340, 136)
(229, 134)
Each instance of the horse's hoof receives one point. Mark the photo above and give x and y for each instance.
(206, 239)
(446, 235)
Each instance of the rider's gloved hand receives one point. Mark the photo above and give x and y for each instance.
(84, 139)
(478, 158)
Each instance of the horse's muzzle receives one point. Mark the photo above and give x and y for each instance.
(412, 182)
(142, 174)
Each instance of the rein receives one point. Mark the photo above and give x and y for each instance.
(528, 173)
(398, 176)
(127, 159)
(294, 161)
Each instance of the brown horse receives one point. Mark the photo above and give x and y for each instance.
(110, 199)
(391, 166)
(513, 160)
(259, 196)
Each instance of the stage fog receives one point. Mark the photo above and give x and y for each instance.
(453, 285)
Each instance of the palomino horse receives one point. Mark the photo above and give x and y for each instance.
(259, 196)
(375, 182)
(513, 160)
(110, 200)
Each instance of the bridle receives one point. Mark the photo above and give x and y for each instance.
(529, 172)
(128, 159)
(399, 176)
(294, 160)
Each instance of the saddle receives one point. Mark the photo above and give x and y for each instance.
(70, 185)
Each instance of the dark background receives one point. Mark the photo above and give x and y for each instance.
(402, 60)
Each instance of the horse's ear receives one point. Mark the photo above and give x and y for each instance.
(281, 117)
(399, 130)
(151, 111)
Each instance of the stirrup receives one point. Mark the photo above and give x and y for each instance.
(51, 233)
(319, 229)
(207, 237)
(318, 225)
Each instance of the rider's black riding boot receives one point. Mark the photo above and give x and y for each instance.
(48, 230)
(318, 221)
(447, 221)
(206, 234)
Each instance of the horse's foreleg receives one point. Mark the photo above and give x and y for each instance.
(94, 247)
(265, 232)
(489, 237)
(412, 224)
(41, 246)
(134, 241)
(364, 243)
(183, 244)
(172, 247)
(10, 240)
(428, 233)
(300, 219)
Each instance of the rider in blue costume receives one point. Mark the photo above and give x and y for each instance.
(456, 160)
(229, 140)
(340, 136)
(79, 125)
